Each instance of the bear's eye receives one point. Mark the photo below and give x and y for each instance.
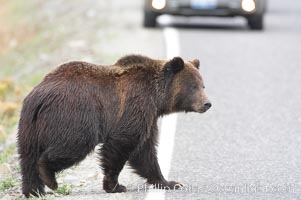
(195, 87)
(203, 87)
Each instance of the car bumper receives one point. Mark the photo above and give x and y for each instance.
(224, 8)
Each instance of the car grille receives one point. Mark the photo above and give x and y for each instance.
(187, 3)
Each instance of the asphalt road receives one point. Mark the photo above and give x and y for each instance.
(247, 146)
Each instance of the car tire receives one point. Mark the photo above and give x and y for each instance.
(255, 22)
(149, 20)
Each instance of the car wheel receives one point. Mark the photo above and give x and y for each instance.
(149, 20)
(255, 22)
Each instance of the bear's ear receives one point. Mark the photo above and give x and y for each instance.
(195, 63)
(175, 65)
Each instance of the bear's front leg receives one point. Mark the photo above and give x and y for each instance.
(145, 162)
(114, 153)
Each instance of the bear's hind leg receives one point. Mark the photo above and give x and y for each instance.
(114, 153)
(31, 182)
(47, 175)
(58, 158)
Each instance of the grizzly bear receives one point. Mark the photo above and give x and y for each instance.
(80, 105)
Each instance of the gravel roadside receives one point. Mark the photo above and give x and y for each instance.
(92, 31)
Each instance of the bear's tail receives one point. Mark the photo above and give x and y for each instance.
(28, 149)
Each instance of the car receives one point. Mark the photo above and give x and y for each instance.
(252, 10)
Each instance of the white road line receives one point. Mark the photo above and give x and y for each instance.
(172, 42)
(167, 134)
(168, 123)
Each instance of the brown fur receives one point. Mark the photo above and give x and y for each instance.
(80, 105)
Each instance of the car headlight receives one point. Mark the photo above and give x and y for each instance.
(248, 5)
(158, 4)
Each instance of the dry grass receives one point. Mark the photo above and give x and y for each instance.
(7, 183)
(12, 32)
(10, 100)
(17, 29)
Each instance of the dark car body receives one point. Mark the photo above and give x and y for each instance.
(218, 8)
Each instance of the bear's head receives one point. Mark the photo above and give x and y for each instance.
(185, 90)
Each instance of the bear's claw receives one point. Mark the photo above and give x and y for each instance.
(174, 185)
(117, 189)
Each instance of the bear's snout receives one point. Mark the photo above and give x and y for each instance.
(207, 104)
